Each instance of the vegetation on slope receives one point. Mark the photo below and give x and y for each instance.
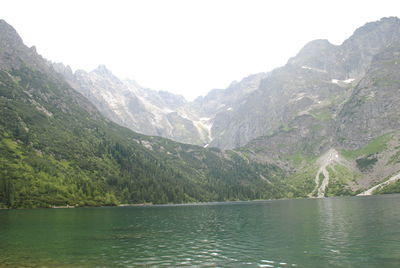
(375, 146)
(389, 189)
(56, 149)
(339, 178)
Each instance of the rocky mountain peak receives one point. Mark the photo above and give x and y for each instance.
(9, 37)
(374, 36)
(14, 53)
(358, 50)
(106, 76)
(102, 70)
(315, 46)
(383, 25)
(319, 55)
(11, 46)
(65, 70)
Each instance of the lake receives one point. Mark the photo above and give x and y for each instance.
(330, 232)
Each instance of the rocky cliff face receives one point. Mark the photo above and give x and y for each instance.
(14, 54)
(313, 83)
(372, 108)
(146, 111)
(158, 113)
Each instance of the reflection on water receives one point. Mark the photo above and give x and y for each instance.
(360, 232)
(332, 232)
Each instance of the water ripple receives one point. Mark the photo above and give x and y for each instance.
(338, 232)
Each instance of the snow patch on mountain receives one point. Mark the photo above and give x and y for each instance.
(313, 69)
(347, 81)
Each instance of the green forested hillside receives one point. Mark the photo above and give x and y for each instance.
(56, 149)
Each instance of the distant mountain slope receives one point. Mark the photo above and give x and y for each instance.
(143, 110)
(57, 149)
(158, 113)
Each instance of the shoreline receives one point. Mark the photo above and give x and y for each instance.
(67, 206)
(192, 203)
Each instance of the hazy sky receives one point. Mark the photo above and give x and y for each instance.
(184, 46)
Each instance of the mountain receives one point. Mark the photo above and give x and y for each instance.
(307, 84)
(219, 105)
(332, 112)
(56, 148)
(146, 111)
(158, 113)
(327, 101)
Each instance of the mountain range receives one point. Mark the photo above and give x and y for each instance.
(325, 124)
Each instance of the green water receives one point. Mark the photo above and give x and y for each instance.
(332, 232)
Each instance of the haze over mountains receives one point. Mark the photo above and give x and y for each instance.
(253, 107)
(327, 123)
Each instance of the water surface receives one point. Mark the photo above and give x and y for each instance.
(331, 232)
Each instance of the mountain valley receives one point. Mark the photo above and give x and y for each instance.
(325, 124)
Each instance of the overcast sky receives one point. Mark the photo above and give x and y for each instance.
(183, 46)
